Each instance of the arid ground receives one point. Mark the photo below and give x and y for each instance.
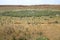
(39, 22)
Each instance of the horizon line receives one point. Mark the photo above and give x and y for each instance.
(29, 4)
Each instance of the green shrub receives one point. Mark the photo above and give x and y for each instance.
(42, 38)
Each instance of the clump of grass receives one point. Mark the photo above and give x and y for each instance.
(41, 33)
(14, 38)
(29, 23)
(50, 17)
(42, 38)
(8, 31)
(22, 38)
(56, 22)
(46, 19)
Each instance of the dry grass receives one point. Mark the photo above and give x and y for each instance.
(29, 28)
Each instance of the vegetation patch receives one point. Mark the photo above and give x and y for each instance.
(30, 13)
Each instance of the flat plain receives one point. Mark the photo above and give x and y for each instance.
(39, 22)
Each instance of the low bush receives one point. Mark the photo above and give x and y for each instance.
(42, 38)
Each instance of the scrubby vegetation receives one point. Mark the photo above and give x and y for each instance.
(30, 13)
(29, 25)
(42, 38)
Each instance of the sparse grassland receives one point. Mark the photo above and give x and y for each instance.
(30, 25)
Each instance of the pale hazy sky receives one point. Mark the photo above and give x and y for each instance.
(28, 2)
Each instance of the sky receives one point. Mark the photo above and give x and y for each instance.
(28, 2)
